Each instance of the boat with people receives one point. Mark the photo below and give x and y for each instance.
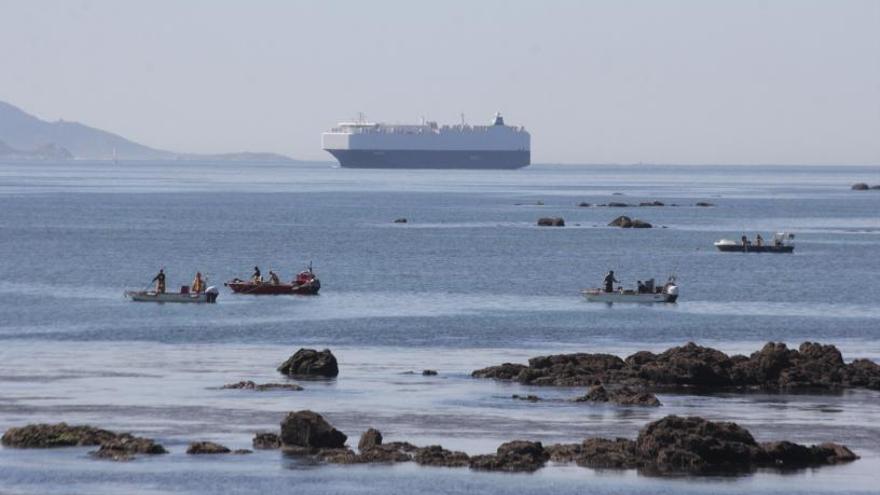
(645, 292)
(306, 283)
(194, 293)
(780, 243)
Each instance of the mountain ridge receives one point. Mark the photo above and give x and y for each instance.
(25, 136)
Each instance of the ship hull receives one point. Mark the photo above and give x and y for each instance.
(432, 159)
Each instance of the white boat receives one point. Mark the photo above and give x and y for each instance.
(209, 296)
(666, 294)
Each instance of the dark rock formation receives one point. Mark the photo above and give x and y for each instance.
(46, 436)
(518, 455)
(309, 362)
(124, 447)
(860, 186)
(400, 220)
(652, 203)
(626, 222)
(624, 396)
(775, 367)
(369, 439)
(242, 451)
(435, 455)
(551, 222)
(615, 204)
(584, 204)
(304, 431)
(266, 441)
(207, 448)
(530, 398)
(429, 372)
(704, 204)
(261, 387)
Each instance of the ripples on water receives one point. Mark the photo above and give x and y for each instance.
(467, 283)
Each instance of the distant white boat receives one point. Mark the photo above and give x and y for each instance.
(648, 295)
(209, 296)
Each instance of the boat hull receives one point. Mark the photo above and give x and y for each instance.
(619, 297)
(432, 159)
(266, 289)
(169, 297)
(738, 248)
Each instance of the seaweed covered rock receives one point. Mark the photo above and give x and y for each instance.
(435, 455)
(125, 447)
(551, 222)
(309, 362)
(626, 222)
(198, 448)
(688, 365)
(266, 441)
(261, 387)
(369, 439)
(307, 430)
(46, 436)
(624, 396)
(695, 444)
(518, 455)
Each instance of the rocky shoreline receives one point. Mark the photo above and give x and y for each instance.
(775, 367)
(672, 445)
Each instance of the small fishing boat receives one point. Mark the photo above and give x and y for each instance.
(184, 296)
(647, 294)
(781, 243)
(305, 284)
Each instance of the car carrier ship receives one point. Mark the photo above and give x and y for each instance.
(363, 144)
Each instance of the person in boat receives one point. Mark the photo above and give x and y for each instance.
(198, 283)
(640, 287)
(759, 241)
(610, 281)
(257, 277)
(273, 278)
(160, 281)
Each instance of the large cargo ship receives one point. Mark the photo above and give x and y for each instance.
(363, 144)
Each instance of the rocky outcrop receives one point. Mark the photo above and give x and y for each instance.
(530, 397)
(400, 220)
(429, 372)
(626, 222)
(518, 455)
(624, 396)
(551, 222)
(369, 439)
(112, 446)
(197, 448)
(261, 387)
(704, 204)
(860, 186)
(775, 367)
(266, 441)
(310, 363)
(435, 455)
(584, 204)
(125, 447)
(652, 203)
(307, 431)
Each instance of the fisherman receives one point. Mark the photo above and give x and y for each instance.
(257, 277)
(198, 284)
(160, 281)
(273, 278)
(610, 281)
(759, 241)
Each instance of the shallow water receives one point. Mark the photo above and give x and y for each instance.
(468, 283)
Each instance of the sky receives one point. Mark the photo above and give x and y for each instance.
(625, 81)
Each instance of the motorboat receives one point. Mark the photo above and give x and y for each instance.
(305, 284)
(184, 296)
(647, 293)
(781, 243)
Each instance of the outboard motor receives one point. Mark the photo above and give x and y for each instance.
(211, 294)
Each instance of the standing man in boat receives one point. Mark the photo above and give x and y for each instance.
(273, 278)
(198, 284)
(610, 281)
(257, 277)
(160, 281)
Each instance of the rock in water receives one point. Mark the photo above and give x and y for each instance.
(309, 362)
(309, 430)
(400, 220)
(704, 204)
(124, 447)
(370, 438)
(266, 441)
(261, 387)
(436, 455)
(621, 221)
(518, 455)
(207, 448)
(624, 396)
(551, 222)
(45, 436)
(860, 186)
(429, 372)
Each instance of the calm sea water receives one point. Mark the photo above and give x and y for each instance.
(470, 281)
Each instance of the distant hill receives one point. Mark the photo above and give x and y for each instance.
(23, 136)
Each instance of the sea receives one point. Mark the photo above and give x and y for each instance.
(469, 281)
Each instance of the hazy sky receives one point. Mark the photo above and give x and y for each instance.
(594, 81)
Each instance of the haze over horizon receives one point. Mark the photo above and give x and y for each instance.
(787, 82)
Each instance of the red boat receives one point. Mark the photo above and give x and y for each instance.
(305, 284)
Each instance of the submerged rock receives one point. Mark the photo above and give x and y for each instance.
(435, 455)
(306, 430)
(309, 362)
(266, 441)
(624, 396)
(652, 203)
(400, 220)
(551, 222)
(584, 204)
(704, 204)
(860, 186)
(626, 222)
(261, 387)
(518, 455)
(196, 448)
(530, 398)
